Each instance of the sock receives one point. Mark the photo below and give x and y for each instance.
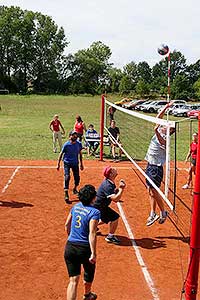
(110, 234)
(152, 213)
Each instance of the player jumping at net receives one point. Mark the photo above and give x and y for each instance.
(156, 157)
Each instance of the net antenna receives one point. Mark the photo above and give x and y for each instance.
(137, 130)
(164, 50)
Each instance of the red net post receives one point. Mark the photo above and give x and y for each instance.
(193, 269)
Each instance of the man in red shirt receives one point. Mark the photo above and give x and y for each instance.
(193, 154)
(55, 126)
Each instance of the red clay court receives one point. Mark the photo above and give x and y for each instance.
(150, 264)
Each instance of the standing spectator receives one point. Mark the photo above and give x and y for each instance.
(92, 146)
(115, 136)
(111, 111)
(193, 154)
(55, 126)
(107, 193)
(71, 154)
(79, 127)
(80, 249)
(156, 156)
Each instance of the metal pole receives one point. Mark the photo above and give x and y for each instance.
(102, 126)
(168, 77)
(193, 269)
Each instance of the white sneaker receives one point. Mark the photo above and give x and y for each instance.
(163, 217)
(185, 186)
(152, 219)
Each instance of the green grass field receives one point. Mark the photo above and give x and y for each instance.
(24, 123)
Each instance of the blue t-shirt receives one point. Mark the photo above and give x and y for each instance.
(81, 216)
(106, 189)
(71, 152)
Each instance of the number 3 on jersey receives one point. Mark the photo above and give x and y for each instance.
(78, 222)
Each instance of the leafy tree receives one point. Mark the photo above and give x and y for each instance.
(89, 68)
(142, 88)
(126, 85)
(144, 72)
(197, 88)
(180, 88)
(113, 79)
(30, 47)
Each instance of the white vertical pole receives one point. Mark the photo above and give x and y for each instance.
(167, 166)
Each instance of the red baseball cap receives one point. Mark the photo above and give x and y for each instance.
(106, 171)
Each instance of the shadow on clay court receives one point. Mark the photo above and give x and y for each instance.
(149, 243)
(178, 238)
(14, 204)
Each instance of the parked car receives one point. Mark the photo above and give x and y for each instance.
(123, 101)
(182, 111)
(193, 113)
(172, 108)
(143, 105)
(155, 106)
(133, 104)
(177, 101)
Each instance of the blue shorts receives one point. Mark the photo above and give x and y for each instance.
(155, 173)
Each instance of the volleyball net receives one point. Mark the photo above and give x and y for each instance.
(136, 132)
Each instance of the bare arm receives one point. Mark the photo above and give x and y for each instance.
(63, 130)
(50, 126)
(116, 197)
(188, 155)
(81, 160)
(161, 113)
(59, 160)
(93, 239)
(68, 223)
(159, 137)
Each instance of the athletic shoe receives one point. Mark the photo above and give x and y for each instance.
(112, 239)
(152, 219)
(163, 218)
(75, 192)
(185, 186)
(67, 198)
(90, 296)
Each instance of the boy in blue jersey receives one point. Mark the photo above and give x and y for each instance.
(71, 154)
(80, 249)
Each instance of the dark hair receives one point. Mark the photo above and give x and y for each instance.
(87, 194)
(72, 132)
(78, 118)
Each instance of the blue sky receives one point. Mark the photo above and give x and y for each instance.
(132, 29)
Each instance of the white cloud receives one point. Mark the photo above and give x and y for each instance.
(132, 29)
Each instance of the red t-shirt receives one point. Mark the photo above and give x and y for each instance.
(56, 125)
(78, 127)
(193, 149)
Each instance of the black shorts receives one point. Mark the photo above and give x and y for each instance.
(193, 161)
(155, 173)
(76, 255)
(108, 215)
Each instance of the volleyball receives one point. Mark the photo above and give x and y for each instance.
(163, 49)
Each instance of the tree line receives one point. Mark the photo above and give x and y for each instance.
(33, 60)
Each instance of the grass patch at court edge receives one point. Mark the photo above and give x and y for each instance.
(24, 123)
